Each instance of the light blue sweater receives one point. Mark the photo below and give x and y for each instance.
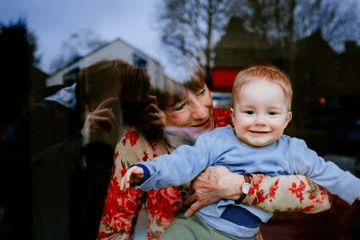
(221, 147)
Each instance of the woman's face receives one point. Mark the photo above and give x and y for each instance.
(195, 111)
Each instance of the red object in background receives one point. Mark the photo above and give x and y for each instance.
(223, 77)
(222, 117)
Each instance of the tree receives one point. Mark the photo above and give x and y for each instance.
(17, 58)
(78, 45)
(17, 47)
(190, 29)
(337, 20)
(286, 22)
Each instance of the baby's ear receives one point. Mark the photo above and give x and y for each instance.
(288, 118)
(232, 114)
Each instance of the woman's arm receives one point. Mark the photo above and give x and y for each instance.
(121, 208)
(294, 193)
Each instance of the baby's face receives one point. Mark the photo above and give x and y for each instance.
(260, 113)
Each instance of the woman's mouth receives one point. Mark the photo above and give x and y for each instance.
(205, 124)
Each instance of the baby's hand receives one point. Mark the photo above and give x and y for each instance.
(133, 175)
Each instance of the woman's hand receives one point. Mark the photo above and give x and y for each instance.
(212, 185)
(102, 124)
(152, 117)
(132, 175)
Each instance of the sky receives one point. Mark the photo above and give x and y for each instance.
(54, 21)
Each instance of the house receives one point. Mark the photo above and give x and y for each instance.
(37, 82)
(116, 49)
(237, 49)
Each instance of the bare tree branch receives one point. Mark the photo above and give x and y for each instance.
(190, 28)
(79, 44)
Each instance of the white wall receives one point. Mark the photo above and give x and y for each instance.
(117, 49)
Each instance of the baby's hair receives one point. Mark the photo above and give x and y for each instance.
(263, 72)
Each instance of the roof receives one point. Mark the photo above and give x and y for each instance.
(236, 36)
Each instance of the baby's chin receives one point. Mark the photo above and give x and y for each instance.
(256, 144)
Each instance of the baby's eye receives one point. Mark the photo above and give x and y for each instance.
(250, 112)
(272, 113)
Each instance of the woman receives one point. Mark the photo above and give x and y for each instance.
(191, 113)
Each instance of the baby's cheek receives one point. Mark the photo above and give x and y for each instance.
(242, 127)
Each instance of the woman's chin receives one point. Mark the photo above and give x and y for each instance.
(206, 125)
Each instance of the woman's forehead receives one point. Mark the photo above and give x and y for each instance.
(195, 85)
(178, 97)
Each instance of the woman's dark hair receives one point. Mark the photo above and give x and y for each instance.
(135, 86)
(168, 93)
(101, 77)
(196, 81)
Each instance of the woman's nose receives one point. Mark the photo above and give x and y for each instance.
(199, 110)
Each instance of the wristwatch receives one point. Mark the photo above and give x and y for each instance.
(244, 188)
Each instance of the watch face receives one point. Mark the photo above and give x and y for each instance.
(246, 188)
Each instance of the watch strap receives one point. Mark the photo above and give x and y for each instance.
(247, 179)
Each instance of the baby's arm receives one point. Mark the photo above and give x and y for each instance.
(132, 176)
(324, 173)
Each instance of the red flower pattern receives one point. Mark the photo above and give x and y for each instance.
(116, 154)
(115, 218)
(316, 193)
(153, 145)
(308, 208)
(132, 136)
(146, 156)
(121, 207)
(123, 169)
(149, 236)
(255, 185)
(273, 189)
(298, 191)
(260, 197)
(164, 203)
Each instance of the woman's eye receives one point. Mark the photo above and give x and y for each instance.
(179, 107)
(201, 92)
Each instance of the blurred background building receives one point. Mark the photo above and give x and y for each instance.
(116, 49)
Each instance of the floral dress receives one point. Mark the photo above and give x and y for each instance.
(122, 207)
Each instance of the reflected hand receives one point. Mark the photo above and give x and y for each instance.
(102, 124)
(152, 116)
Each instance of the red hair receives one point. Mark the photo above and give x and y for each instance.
(264, 72)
